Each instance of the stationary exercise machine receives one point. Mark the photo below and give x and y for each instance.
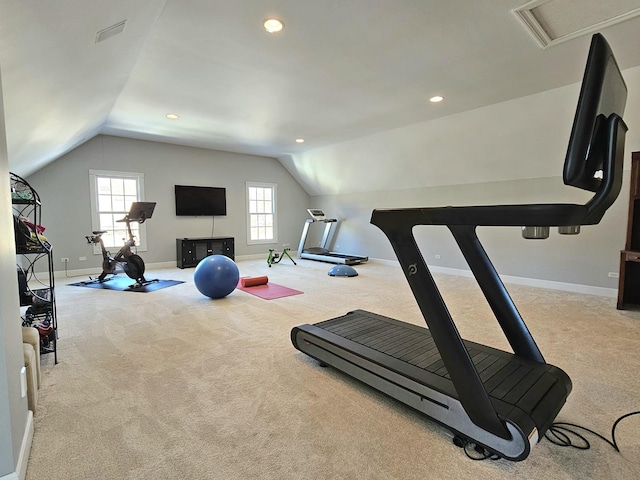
(501, 402)
(321, 253)
(275, 257)
(130, 262)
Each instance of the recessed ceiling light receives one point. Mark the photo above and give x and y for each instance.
(273, 25)
(172, 116)
(299, 140)
(436, 99)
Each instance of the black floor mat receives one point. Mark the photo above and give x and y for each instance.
(126, 284)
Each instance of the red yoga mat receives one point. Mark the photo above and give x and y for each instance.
(266, 291)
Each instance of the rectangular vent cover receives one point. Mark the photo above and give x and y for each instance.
(555, 21)
(109, 32)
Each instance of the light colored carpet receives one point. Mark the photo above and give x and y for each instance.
(173, 385)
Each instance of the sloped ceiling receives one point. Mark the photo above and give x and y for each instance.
(341, 69)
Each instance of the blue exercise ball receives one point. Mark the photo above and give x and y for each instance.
(216, 276)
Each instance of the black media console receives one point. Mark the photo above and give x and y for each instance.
(190, 251)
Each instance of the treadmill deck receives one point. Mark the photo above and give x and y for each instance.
(334, 257)
(515, 386)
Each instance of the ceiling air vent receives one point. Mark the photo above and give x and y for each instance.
(554, 21)
(109, 32)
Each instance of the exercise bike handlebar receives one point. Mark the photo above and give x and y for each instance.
(95, 238)
(97, 234)
(127, 219)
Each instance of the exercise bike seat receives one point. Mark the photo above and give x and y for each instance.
(99, 232)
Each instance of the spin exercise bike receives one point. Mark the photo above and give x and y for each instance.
(130, 262)
(501, 402)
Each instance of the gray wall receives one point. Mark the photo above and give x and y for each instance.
(584, 259)
(511, 152)
(63, 187)
(13, 408)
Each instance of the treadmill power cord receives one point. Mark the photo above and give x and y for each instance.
(559, 434)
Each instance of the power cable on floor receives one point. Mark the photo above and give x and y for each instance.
(560, 433)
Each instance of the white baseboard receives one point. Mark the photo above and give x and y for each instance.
(254, 256)
(564, 286)
(25, 450)
(384, 261)
(95, 271)
(531, 282)
(10, 476)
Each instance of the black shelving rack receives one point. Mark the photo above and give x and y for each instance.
(34, 252)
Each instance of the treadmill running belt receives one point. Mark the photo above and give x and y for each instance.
(505, 376)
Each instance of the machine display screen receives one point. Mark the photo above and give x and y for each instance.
(316, 214)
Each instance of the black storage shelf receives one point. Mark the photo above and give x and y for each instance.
(34, 251)
(43, 248)
(24, 201)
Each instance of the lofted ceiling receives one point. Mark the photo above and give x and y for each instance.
(340, 69)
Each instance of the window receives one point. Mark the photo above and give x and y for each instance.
(261, 217)
(112, 194)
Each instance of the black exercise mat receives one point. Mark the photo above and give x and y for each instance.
(123, 284)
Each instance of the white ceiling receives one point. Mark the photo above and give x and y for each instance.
(341, 69)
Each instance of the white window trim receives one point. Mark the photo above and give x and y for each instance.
(141, 243)
(274, 240)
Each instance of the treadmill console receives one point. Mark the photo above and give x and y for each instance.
(316, 214)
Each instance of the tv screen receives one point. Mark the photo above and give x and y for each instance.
(195, 201)
(603, 93)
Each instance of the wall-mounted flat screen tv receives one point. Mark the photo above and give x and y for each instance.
(192, 201)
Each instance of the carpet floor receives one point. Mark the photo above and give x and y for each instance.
(174, 385)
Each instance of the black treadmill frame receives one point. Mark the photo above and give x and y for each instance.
(597, 143)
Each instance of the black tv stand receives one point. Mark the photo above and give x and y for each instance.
(190, 251)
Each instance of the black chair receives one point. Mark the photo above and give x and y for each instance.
(503, 402)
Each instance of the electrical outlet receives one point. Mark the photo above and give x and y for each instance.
(614, 275)
(437, 256)
(82, 259)
(64, 260)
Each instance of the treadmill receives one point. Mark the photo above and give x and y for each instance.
(500, 401)
(321, 253)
